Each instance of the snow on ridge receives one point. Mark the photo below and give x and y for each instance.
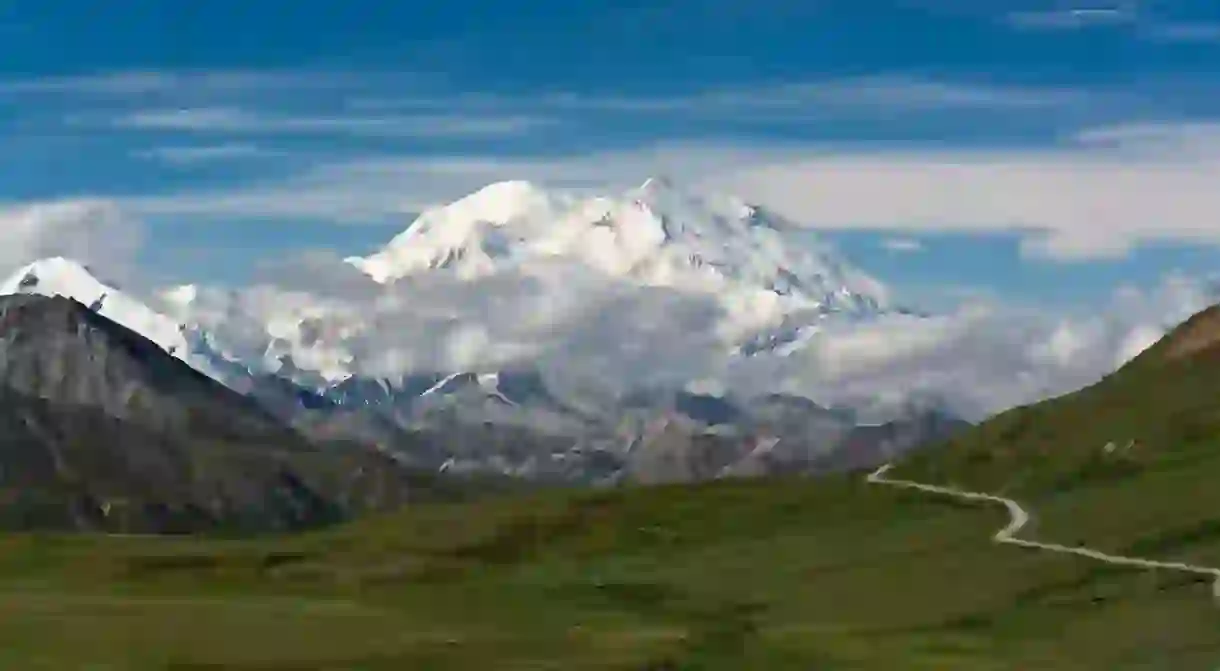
(59, 276)
(514, 274)
(510, 275)
(656, 234)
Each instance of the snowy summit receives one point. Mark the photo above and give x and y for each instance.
(484, 288)
(58, 276)
(656, 234)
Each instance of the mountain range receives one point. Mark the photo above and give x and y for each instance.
(482, 274)
(787, 573)
(102, 429)
(417, 348)
(184, 431)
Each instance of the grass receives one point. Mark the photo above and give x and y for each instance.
(829, 574)
(1127, 465)
(769, 575)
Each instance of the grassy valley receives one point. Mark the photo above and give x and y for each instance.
(827, 573)
(768, 575)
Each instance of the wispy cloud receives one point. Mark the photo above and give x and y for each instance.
(1097, 195)
(135, 82)
(1143, 24)
(1085, 200)
(392, 90)
(247, 104)
(1184, 32)
(187, 155)
(886, 93)
(90, 230)
(902, 245)
(1182, 138)
(1085, 16)
(236, 120)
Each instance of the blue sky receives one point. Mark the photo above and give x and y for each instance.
(953, 147)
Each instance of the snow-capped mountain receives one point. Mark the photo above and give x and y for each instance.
(654, 235)
(515, 276)
(58, 276)
(654, 288)
(514, 420)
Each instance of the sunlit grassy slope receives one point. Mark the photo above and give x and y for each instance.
(761, 575)
(1130, 464)
(815, 574)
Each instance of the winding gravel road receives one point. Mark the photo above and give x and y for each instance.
(1019, 519)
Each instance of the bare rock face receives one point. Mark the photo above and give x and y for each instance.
(59, 350)
(102, 429)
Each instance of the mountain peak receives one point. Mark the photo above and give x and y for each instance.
(57, 348)
(465, 235)
(59, 276)
(658, 183)
(507, 189)
(94, 414)
(496, 203)
(654, 235)
(56, 270)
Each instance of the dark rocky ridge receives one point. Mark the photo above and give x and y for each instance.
(57, 349)
(101, 429)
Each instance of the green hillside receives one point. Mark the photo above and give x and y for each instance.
(1128, 464)
(769, 575)
(760, 575)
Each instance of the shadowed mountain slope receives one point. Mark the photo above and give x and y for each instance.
(102, 429)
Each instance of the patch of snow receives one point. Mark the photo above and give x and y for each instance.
(59, 276)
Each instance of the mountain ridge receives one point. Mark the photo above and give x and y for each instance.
(712, 271)
(102, 429)
(656, 233)
(59, 349)
(433, 420)
(1156, 411)
(473, 279)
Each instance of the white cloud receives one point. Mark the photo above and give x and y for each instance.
(1075, 18)
(92, 231)
(580, 325)
(584, 328)
(878, 94)
(236, 120)
(257, 103)
(559, 316)
(399, 90)
(187, 155)
(125, 83)
(902, 245)
(1099, 194)
(1143, 25)
(1087, 200)
(981, 360)
(115, 83)
(368, 190)
(1184, 32)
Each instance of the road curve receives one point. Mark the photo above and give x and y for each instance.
(1020, 517)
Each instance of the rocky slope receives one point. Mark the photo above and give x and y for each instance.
(102, 429)
(539, 333)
